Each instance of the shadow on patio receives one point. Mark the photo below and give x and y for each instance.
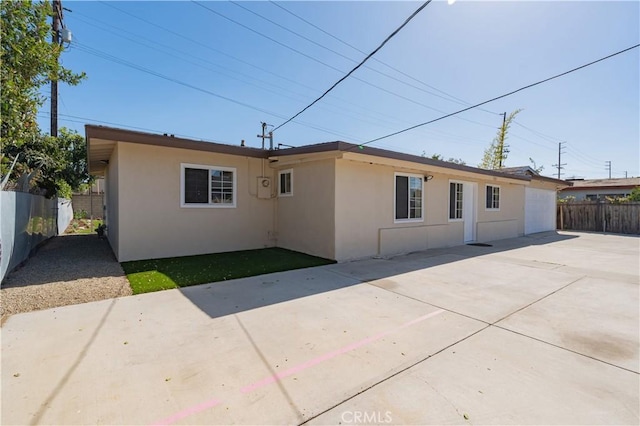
(231, 297)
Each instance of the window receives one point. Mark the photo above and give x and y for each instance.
(493, 197)
(207, 186)
(285, 183)
(408, 205)
(455, 200)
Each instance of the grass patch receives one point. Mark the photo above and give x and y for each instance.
(161, 274)
(83, 226)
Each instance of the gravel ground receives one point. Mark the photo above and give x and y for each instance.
(67, 270)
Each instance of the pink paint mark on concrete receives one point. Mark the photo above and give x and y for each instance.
(315, 361)
(188, 412)
(296, 369)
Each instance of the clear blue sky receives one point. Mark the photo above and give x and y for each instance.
(473, 50)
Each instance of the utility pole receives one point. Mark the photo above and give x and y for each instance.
(608, 166)
(501, 146)
(55, 39)
(625, 174)
(560, 163)
(264, 135)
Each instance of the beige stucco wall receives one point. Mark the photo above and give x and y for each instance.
(111, 200)
(306, 220)
(365, 223)
(152, 224)
(508, 221)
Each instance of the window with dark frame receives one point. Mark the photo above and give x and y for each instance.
(493, 197)
(208, 186)
(455, 200)
(196, 186)
(408, 203)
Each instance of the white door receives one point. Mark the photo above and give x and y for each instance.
(469, 197)
(539, 210)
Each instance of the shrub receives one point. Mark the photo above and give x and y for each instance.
(81, 214)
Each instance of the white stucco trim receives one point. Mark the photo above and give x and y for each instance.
(280, 173)
(410, 220)
(491, 209)
(448, 206)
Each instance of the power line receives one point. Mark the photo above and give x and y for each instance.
(121, 61)
(449, 97)
(551, 139)
(530, 141)
(502, 96)
(242, 61)
(413, 15)
(282, 88)
(585, 155)
(413, 86)
(84, 120)
(390, 92)
(166, 50)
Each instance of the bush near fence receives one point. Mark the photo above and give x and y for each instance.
(600, 216)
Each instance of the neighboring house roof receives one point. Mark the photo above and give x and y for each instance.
(624, 183)
(520, 170)
(528, 171)
(102, 139)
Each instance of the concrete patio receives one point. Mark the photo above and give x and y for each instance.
(535, 330)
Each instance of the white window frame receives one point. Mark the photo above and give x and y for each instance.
(284, 172)
(209, 168)
(408, 220)
(460, 219)
(492, 209)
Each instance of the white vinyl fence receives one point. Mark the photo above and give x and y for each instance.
(26, 220)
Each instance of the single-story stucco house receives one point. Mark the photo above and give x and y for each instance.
(599, 189)
(168, 196)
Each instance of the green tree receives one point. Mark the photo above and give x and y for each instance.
(635, 194)
(496, 154)
(29, 61)
(56, 165)
(450, 160)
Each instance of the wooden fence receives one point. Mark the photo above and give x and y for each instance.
(597, 216)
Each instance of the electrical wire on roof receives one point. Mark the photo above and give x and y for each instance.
(413, 15)
(502, 96)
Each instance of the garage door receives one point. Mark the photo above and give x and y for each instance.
(539, 210)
